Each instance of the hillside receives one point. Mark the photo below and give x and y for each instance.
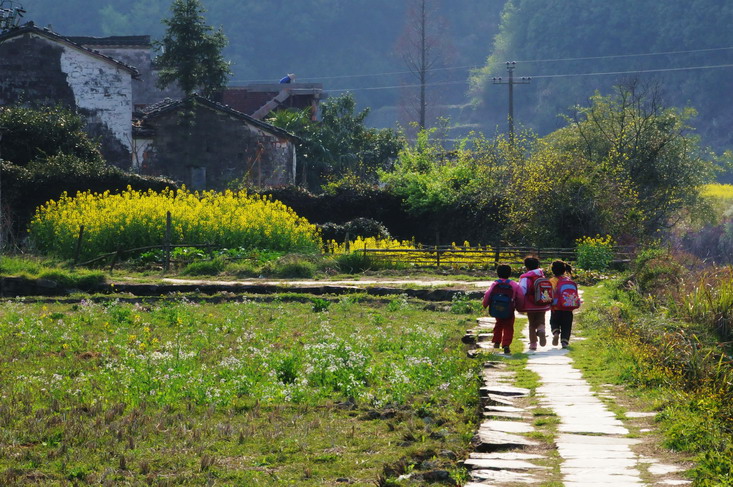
(572, 48)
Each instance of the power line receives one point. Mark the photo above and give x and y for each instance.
(468, 67)
(616, 56)
(638, 71)
(566, 75)
(344, 76)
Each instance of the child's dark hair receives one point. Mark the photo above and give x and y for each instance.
(531, 263)
(503, 271)
(559, 267)
(568, 269)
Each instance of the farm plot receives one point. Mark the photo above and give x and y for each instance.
(283, 392)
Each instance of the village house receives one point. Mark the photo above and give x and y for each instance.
(207, 145)
(41, 68)
(111, 81)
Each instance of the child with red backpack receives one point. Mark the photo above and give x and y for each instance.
(502, 298)
(537, 291)
(565, 299)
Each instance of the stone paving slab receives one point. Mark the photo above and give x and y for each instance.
(507, 426)
(495, 464)
(586, 441)
(505, 390)
(596, 478)
(496, 414)
(507, 455)
(503, 476)
(632, 414)
(657, 468)
(504, 409)
(592, 428)
(501, 400)
(496, 440)
(604, 483)
(600, 463)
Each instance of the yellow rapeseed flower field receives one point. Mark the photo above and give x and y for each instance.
(134, 219)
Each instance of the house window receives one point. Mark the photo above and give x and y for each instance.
(198, 178)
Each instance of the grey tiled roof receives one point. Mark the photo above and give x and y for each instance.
(31, 28)
(122, 41)
(167, 105)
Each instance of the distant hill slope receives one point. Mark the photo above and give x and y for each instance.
(682, 45)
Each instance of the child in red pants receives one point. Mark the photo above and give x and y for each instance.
(504, 327)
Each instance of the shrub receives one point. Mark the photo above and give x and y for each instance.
(293, 265)
(364, 227)
(354, 262)
(656, 270)
(594, 253)
(204, 268)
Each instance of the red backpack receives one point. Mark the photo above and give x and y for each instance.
(539, 290)
(566, 296)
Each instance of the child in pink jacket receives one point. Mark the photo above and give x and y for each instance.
(535, 312)
(504, 328)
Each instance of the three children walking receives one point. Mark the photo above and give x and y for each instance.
(534, 295)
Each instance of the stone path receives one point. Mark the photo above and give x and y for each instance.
(591, 446)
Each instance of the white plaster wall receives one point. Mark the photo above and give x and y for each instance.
(283, 147)
(103, 88)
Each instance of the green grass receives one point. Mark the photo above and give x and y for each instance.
(245, 393)
(37, 268)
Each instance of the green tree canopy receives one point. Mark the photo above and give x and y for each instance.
(624, 165)
(36, 134)
(340, 143)
(192, 51)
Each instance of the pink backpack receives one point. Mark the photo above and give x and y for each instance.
(539, 290)
(566, 297)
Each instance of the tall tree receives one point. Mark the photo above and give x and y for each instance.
(192, 51)
(422, 48)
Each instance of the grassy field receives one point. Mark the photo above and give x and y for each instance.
(246, 393)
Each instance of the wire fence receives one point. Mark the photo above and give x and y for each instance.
(460, 256)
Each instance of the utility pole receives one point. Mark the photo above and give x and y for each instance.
(2, 226)
(510, 65)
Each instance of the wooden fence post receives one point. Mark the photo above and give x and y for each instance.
(114, 260)
(167, 243)
(437, 248)
(77, 250)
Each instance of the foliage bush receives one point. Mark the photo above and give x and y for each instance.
(204, 268)
(36, 134)
(364, 227)
(655, 270)
(295, 266)
(354, 262)
(135, 219)
(594, 253)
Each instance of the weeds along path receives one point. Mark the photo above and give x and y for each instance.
(555, 429)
